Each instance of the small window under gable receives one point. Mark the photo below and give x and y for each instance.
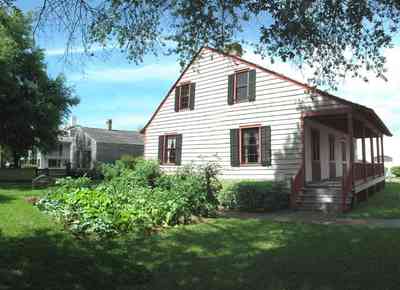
(242, 87)
(184, 97)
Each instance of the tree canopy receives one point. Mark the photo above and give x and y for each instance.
(33, 105)
(335, 38)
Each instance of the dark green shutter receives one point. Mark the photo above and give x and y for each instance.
(191, 97)
(177, 92)
(161, 149)
(252, 85)
(266, 146)
(235, 160)
(231, 84)
(178, 149)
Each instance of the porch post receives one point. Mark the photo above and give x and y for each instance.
(372, 155)
(378, 158)
(383, 156)
(350, 181)
(364, 157)
(351, 137)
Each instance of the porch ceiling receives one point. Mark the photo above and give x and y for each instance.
(339, 120)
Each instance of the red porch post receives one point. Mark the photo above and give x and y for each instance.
(378, 158)
(364, 156)
(348, 180)
(383, 156)
(372, 154)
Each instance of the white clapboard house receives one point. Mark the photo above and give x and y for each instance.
(259, 124)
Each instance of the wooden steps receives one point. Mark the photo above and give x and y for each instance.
(322, 196)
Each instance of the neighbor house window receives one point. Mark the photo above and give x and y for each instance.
(242, 86)
(60, 149)
(54, 163)
(170, 149)
(250, 145)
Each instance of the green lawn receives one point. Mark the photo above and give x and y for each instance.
(384, 204)
(35, 253)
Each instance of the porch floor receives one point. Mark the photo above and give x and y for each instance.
(332, 182)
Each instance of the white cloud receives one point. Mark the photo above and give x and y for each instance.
(76, 50)
(123, 75)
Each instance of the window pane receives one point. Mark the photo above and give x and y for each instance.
(241, 79)
(250, 145)
(242, 85)
(184, 98)
(241, 93)
(171, 149)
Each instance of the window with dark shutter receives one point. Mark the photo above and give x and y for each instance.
(184, 97)
(242, 87)
(266, 152)
(250, 141)
(177, 94)
(234, 136)
(192, 94)
(170, 149)
(161, 149)
(251, 145)
(178, 158)
(231, 94)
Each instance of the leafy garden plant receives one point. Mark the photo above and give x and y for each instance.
(134, 197)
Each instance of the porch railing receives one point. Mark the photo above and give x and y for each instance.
(367, 170)
(297, 185)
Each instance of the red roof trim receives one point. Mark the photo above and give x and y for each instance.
(281, 76)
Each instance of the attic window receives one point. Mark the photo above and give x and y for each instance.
(184, 97)
(242, 86)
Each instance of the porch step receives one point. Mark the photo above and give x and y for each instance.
(322, 196)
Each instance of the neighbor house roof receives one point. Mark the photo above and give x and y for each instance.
(368, 111)
(114, 136)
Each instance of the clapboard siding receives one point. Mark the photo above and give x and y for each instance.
(206, 130)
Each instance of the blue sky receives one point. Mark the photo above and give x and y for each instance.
(112, 87)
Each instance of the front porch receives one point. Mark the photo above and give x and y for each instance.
(342, 159)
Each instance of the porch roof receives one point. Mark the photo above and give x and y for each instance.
(365, 121)
(367, 113)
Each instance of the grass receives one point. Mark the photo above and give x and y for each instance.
(36, 253)
(384, 204)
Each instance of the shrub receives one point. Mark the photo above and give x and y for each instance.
(395, 171)
(254, 195)
(138, 199)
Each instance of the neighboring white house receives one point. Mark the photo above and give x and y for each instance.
(82, 147)
(259, 124)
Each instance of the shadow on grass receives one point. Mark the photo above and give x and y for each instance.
(220, 254)
(5, 198)
(384, 204)
(47, 260)
(15, 186)
(252, 254)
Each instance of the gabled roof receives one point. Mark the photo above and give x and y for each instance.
(114, 136)
(368, 111)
